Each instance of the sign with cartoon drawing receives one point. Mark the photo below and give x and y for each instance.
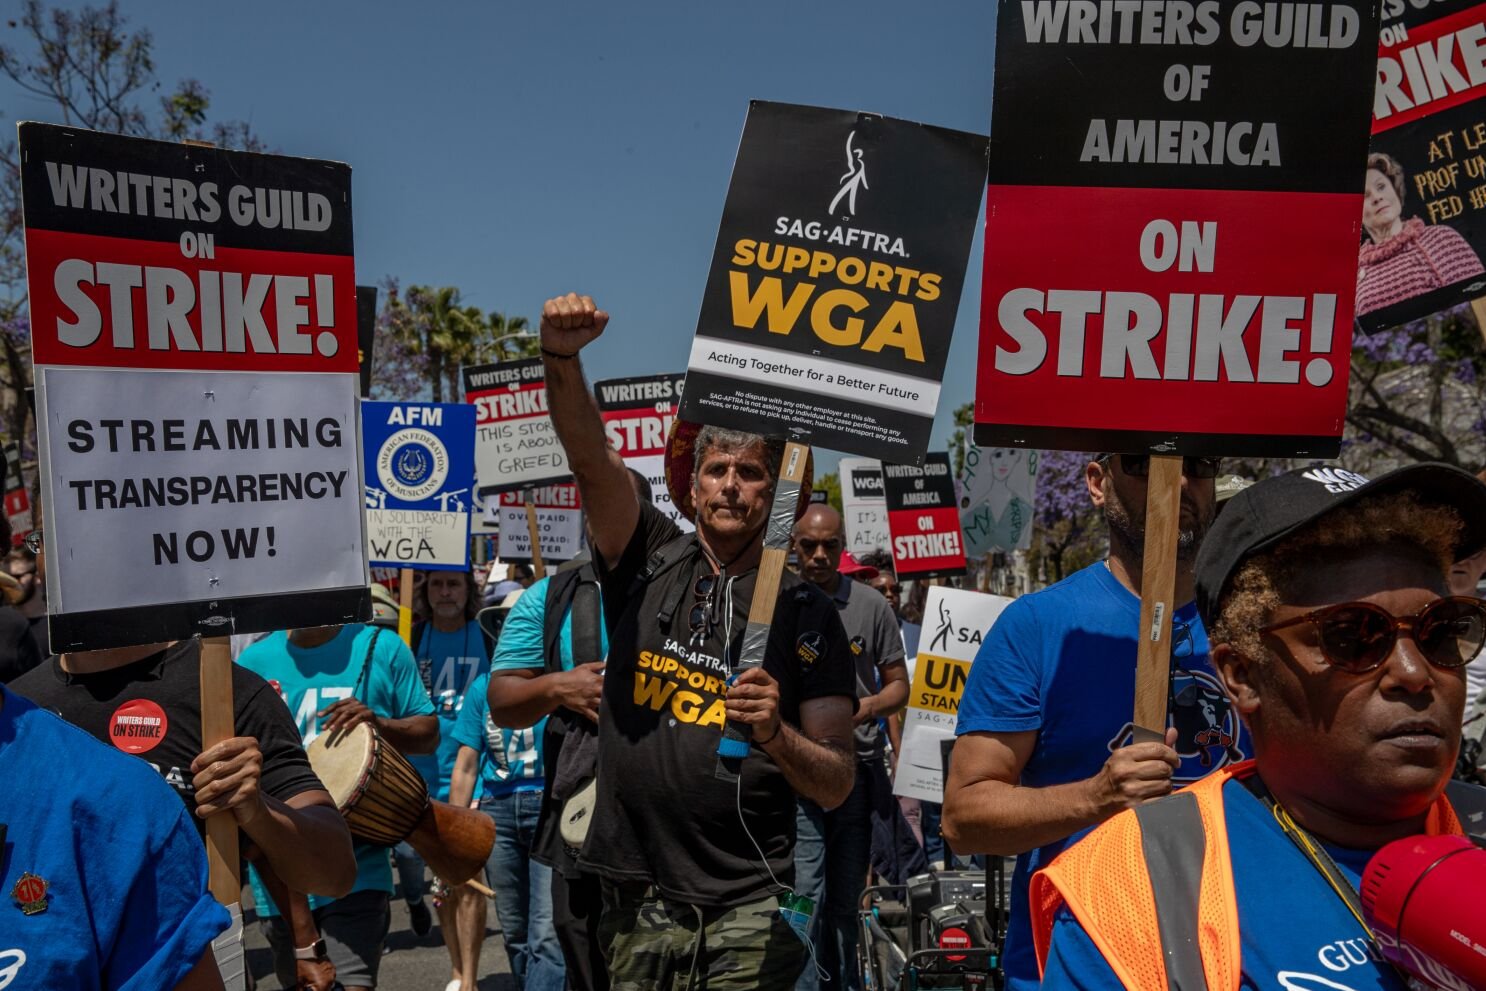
(997, 490)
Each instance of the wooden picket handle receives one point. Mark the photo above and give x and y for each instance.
(405, 606)
(538, 569)
(217, 725)
(1478, 307)
(776, 553)
(1163, 508)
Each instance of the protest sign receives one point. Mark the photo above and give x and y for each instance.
(515, 445)
(1424, 201)
(1171, 225)
(923, 519)
(997, 488)
(17, 494)
(637, 416)
(959, 622)
(193, 320)
(420, 472)
(831, 298)
(863, 505)
(559, 523)
(366, 334)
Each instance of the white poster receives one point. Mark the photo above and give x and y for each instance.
(515, 444)
(997, 493)
(193, 499)
(863, 505)
(955, 623)
(559, 524)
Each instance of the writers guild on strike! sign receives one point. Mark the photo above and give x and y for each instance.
(637, 414)
(835, 280)
(515, 445)
(1210, 272)
(923, 519)
(176, 294)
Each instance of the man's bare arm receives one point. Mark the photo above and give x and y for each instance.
(890, 698)
(818, 759)
(988, 810)
(520, 697)
(570, 323)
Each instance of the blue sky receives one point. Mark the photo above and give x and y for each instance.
(520, 150)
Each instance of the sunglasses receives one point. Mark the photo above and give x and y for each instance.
(1139, 465)
(32, 541)
(705, 609)
(1359, 636)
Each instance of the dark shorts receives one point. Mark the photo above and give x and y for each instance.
(354, 929)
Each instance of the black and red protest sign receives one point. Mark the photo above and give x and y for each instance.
(835, 280)
(637, 414)
(1171, 226)
(923, 520)
(193, 327)
(1424, 201)
(515, 445)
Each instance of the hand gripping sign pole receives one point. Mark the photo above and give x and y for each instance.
(538, 569)
(1163, 503)
(737, 738)
(221, 829)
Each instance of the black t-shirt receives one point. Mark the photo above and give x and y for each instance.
(152, 708)
(663, 816)
(18, 650)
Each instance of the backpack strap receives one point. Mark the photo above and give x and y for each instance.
(560, 589)
(371, 649)
(587, 618)
(665, 558)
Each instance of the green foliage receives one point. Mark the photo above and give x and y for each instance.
(439, 335)
(830, 484)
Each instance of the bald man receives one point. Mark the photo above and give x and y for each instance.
(833, 848)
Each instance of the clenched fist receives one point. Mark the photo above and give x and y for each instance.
(569, 323)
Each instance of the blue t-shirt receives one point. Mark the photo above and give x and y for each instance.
(1062, 662)
(1295, 933)
(510, 759)
(448, 663)
(126, 900)
(311, 679)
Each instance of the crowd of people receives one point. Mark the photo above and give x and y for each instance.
(1318, 689)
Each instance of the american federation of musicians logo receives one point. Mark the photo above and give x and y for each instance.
(854, 179)
(412, 465)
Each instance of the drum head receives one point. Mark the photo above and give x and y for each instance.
(342, 766)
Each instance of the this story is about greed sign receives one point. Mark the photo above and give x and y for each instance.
(515, 445)
(924, 520)
(1172, 226)
(638, 413)
(559, 519)
(193, 320)
(420, 473)
(835, 280)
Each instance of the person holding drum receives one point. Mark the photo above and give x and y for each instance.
(693, 864)
(335, 680)
(146, 701)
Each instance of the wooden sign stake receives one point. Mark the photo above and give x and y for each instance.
(223, 864)
(1163, 506)
(537, 568)
(777, 532)
(1478, 307)
(405, 605)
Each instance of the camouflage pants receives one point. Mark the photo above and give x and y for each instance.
(654, 944)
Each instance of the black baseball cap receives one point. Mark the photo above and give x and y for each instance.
(1267, 512)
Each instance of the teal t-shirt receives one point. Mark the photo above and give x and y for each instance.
(311, 679)
(448, 664)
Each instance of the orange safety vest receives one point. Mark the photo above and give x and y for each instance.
(1153, 888)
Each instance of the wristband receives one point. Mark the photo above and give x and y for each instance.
(559, 357)
(761, 743)
(315, 951)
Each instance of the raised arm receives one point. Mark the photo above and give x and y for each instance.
(570, 323)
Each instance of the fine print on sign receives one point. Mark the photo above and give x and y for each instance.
(1424, 200)
(559, 524)
(834, 284)
(515, 445)
(194, 334)
(955, 623)
(637, 414)
(1171, 226)
(923, 519)
(420, 474)
(863, 505)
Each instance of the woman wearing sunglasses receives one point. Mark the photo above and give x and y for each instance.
(1334, 630)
